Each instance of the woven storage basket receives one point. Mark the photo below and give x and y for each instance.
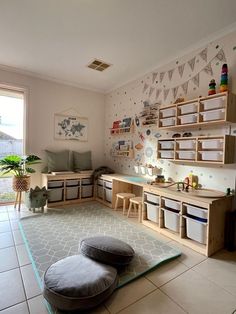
(21, 184)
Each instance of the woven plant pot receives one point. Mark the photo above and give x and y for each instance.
(21, 184)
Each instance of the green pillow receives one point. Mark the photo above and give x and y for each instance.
(82, 161)
(58, 161)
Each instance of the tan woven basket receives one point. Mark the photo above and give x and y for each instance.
(21, 184)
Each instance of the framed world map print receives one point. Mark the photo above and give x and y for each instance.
(69, 127)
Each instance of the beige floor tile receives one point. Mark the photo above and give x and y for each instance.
(221, 269)
(197, 295)
(23, 255)
(37, 305)
(14, 215)
(129, 294)
(31, 285)
(99, 310)
(154, 303)
(11, 288)
(6, 240)
(20, 308)
(18, 239)
(166, 272)
(4, 216)
(14, 224)
(5, 226)
(188, 257)
(8, 259)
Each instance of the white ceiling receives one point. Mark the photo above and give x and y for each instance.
(57, 38)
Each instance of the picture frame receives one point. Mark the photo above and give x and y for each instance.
(70, 127)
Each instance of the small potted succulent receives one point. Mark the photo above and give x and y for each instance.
(19, 167)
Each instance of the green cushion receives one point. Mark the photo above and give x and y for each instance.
(82, 161)
(58, 161)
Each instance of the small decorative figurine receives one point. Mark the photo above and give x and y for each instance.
(36, 198)
(212, 87)
(224, 78)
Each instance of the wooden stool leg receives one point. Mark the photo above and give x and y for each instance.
(124, 205)
(19, 201)
(116, 204)
(140, 212)
(130, 207)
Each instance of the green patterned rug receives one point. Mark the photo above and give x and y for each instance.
(53, 236)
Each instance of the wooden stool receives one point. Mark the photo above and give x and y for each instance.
(125, 197)
(136, 203)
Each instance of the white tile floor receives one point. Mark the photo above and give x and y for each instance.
(190, 284)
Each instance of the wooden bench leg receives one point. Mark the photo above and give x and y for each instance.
(116, 204)
(124, 206)
(140, 212)
(130, 207)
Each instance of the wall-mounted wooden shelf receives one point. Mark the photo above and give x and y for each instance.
(208, 111)
(201, 149)
(124, 153)
(122, 131)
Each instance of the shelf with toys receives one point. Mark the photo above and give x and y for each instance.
(148, 115)
(123, 149)
(126, 126)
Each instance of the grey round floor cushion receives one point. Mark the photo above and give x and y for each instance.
(107, 250)
(78, 283)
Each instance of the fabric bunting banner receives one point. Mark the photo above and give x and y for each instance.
(203, 54)
(170, 74)
(145, 87)
(208, 69)
(192, 63)
(221, 56)
(154, 76)
(195, 80)
(185, 87)
(162, 74)
(181, 69)
(166, 92)
(158, 91)
(151, 91)
(175, 91)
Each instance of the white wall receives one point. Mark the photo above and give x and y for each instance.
(45, 98)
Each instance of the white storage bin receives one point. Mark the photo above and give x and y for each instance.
(189, 108)
(167, 144)
(189, 118)
(169, 112)
(186, 155)
(108, 184)
(152, 212)
(87, 191)
(187, 144)
(143, 170)
(213, 115)
(136, 169)
(152, 198)
(108, 195)
(167, 154)
(171, 220)
(100, 182)
(212, 143)
(196, 230)
(55, 195)
(86, 181)
(100, 191)
(212, 156)
(72, 182)
(153, 171)
(72, 193)
(214, 103)
(171, 204)
(55, 184)
(167, 122)
(197, 211)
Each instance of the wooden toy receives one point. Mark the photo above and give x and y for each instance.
(212, 87)
(224, 78)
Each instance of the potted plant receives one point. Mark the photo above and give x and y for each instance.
(19, 167)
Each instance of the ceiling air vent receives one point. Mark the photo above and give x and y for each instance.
(98, 65)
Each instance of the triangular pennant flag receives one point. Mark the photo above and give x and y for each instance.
(181, 69)
(145, 87)
(203, 54)
(170, 73)
(185, 87)
(195, 80)
(162, 74)
(208, 69)
(175, 91)
(154, 76)
(221, 56)
(192, 63)
(151, 91)
(158, 91)
(166, 92)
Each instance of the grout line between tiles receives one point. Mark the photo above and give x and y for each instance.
(174, 301)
